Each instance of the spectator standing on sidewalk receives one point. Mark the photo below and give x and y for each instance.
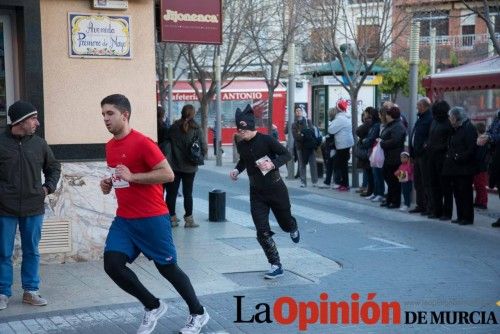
(142, 222)
(181, 135)
(363, 153)
(367, 144)
(492, 137)
(418, 152)
(392, 141)
(405, 177)
(328, 150)
(23, 158)
(341, 129)
(306, 146)
(437, 144)
(460, 163)
(262, 156)
(480, 180)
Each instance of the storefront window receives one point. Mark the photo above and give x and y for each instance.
(227, 112)
(481, 105)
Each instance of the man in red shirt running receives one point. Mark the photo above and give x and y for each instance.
(142, 223)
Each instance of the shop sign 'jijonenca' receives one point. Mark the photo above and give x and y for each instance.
(194, 22)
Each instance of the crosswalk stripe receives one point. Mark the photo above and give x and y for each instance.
(309, 214)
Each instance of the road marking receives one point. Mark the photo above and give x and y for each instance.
(320, 216)
(394, 245)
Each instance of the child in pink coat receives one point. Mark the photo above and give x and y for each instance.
(405, 177)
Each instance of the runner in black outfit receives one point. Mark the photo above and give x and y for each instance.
(262, 155)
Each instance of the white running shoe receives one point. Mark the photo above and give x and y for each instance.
(195, 323)
(378, 198)
(370, 197)
(151, 318)
(335, 186)
(403, 208)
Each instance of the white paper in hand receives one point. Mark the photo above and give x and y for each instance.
(261, 160)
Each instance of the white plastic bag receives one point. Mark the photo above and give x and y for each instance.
(377, 156)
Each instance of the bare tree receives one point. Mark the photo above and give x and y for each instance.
(484, 10)
(357, 36)
(235, 57)
(167, 53)
(272, 27)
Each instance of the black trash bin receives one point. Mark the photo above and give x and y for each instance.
(216, 206)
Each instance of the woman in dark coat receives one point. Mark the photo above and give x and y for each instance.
(361, 154)
(370, 116)
(436, 146)
(460, 164)
(181, 135)
(392, 141)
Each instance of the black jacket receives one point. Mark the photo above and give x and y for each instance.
(393, 142)
(256, 148)
(180, 142)
(420, 134)
(460, 158)
(439, 135)
(22, 161)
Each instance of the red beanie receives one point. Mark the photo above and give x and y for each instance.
(342, 104)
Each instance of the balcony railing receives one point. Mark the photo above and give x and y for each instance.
(459, 41)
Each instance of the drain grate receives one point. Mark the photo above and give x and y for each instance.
(255, 279)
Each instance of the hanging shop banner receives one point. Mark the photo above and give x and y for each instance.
(191, 21)
(99, 36)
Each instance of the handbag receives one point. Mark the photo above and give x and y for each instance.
(361, 152)
(195, 155)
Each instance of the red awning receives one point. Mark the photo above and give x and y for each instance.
(483, 74)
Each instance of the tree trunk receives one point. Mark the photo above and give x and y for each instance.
(204, 115)
(270, 101)
(354, 120)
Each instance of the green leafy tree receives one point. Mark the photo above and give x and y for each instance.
(396, 79)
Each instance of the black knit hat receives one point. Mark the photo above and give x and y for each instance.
(20, 111)
(245, 119)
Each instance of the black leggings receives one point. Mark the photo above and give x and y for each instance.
(115, 265)
(187, 192)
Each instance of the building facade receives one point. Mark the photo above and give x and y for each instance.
(461, 36)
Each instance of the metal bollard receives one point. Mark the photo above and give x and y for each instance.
(217, 206)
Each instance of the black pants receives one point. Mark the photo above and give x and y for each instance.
(422, 184)
(464, 197)
(187, 191)
(115, 265)
(275, 198)
(440, 188)
(340, 160)
(393, 185)
(369, 176)
(329, 169)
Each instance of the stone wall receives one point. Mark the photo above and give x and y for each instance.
(79, 199)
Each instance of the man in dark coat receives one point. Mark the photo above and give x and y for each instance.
(460, 164)
(418, 152)
(437, 144)
(24, 156)
(262, 155)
